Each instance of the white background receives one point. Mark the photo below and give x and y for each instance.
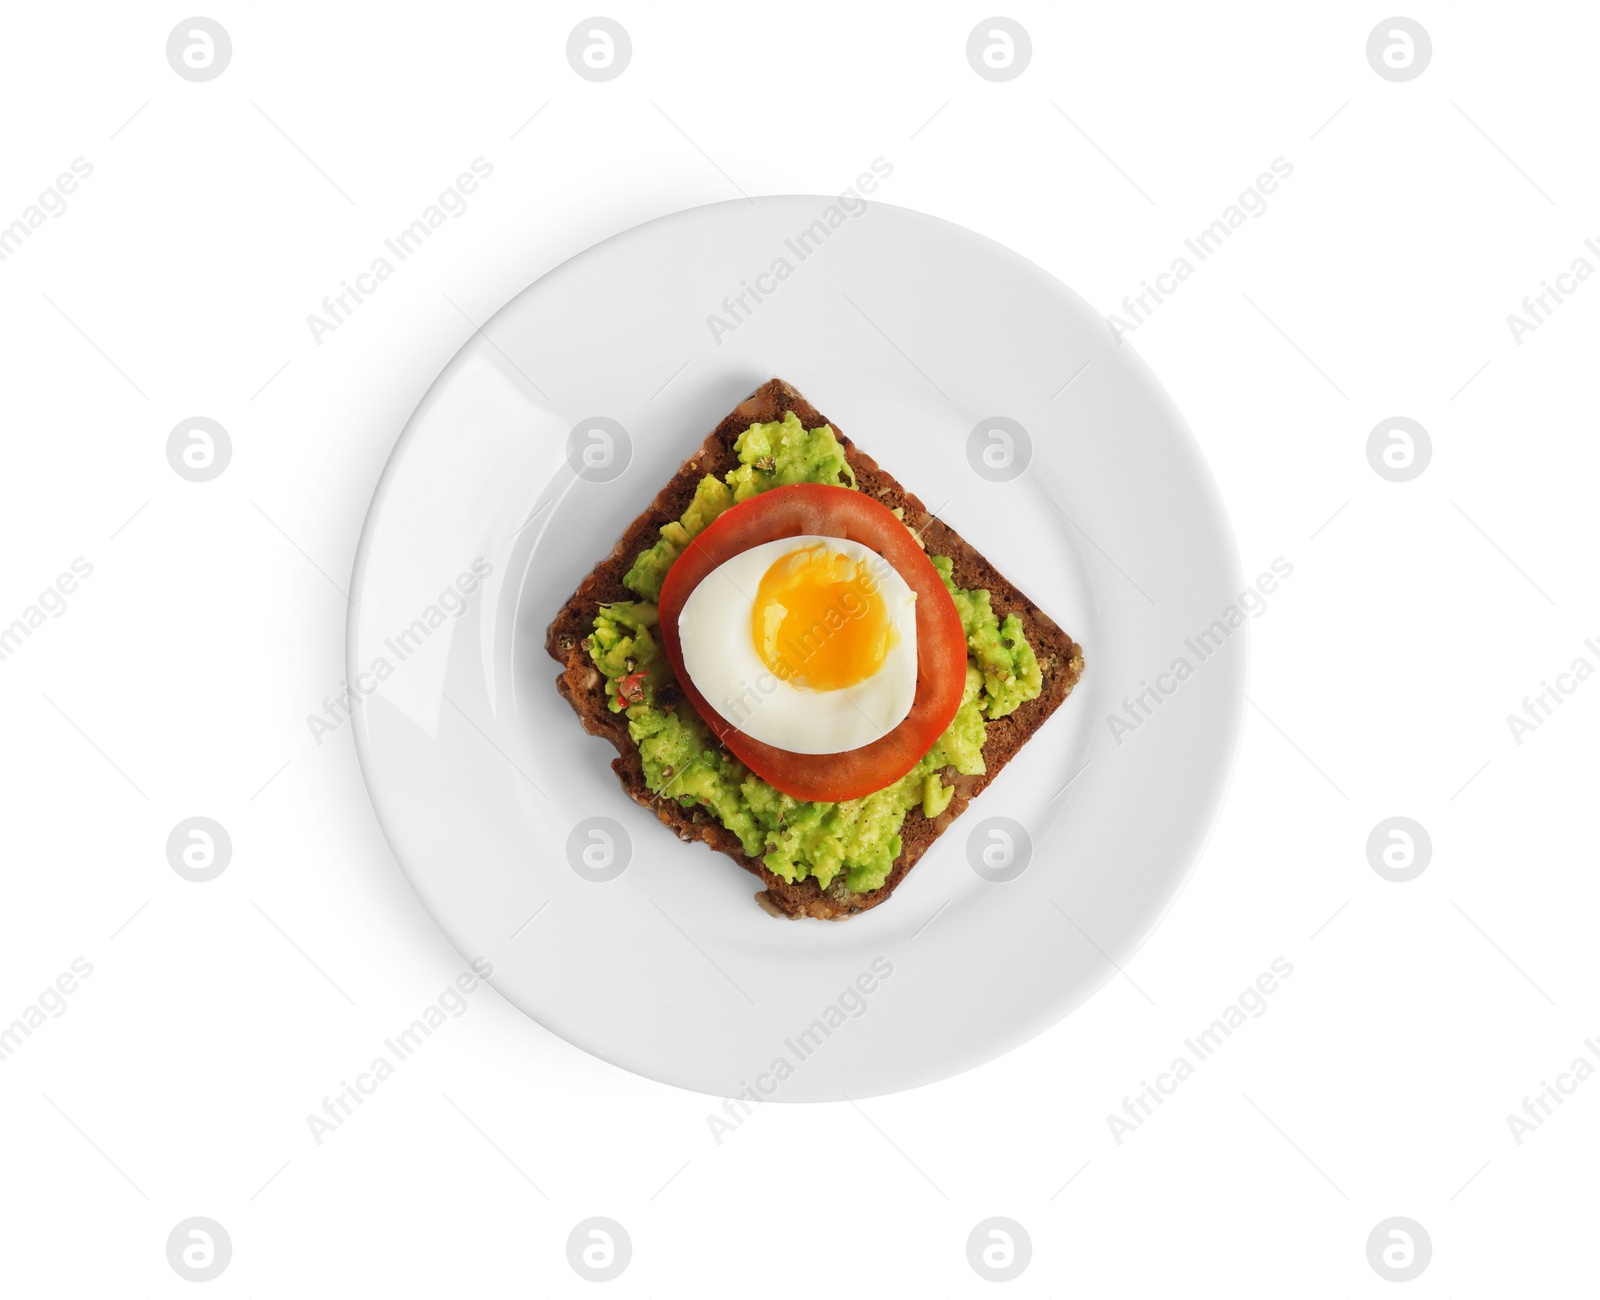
(177, 682)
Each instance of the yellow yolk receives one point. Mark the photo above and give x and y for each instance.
(819, 620)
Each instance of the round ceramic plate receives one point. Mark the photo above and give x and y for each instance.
(990, 391)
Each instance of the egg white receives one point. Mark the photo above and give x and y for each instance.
(720, 658)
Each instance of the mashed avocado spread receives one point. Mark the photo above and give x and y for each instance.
(859, 838)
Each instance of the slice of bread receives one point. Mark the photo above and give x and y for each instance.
(1060, 658)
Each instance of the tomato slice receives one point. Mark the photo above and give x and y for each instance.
(830, 511)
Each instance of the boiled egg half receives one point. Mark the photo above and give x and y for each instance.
(805, 643)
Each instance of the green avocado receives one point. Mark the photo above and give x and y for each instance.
(770, 455)
(999, 650)
(858, 838)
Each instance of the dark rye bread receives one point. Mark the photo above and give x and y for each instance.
(1060, 658)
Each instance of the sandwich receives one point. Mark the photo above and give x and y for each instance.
(802, 667)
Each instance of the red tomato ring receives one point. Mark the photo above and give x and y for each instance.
(829, 511)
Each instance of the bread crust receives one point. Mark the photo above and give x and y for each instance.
(581, 684)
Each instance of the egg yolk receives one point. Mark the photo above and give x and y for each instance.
(819, 619)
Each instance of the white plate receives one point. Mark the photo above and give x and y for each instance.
(910, 333)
